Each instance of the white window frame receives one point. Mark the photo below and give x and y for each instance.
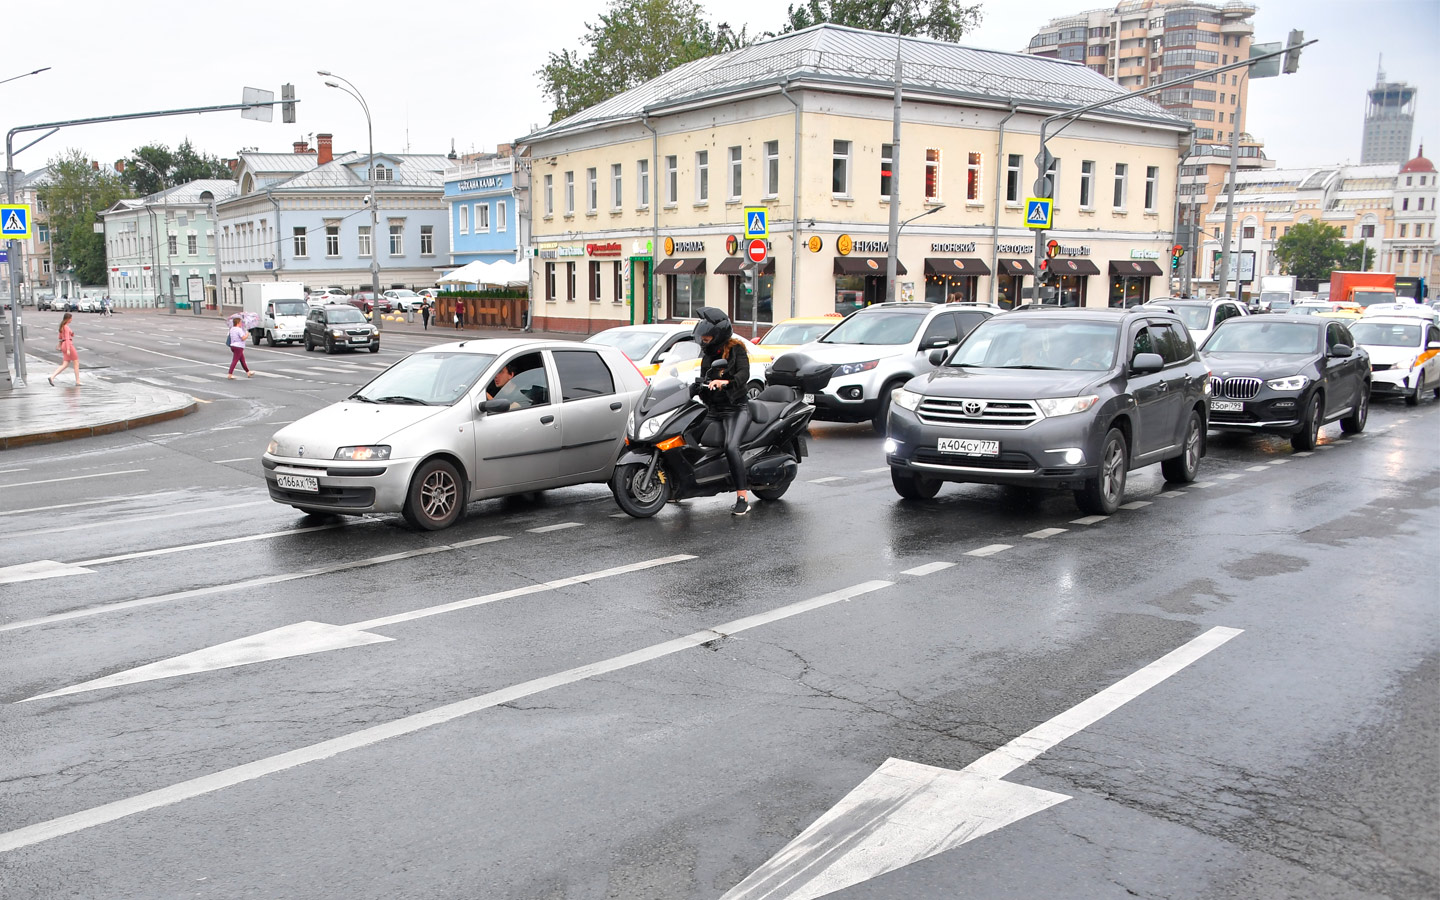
(482, 218)
(702, 177)
(1152, 187)
(1120, 195)
(1014, 173)
(1087, 184)
(501, 217)
(933, 164)
(617, 186)
(772, 169)
(887, 163)
(364, 242)
(427, 240)
(736, 172)
(642, 184)
(592, 190)
(840, 157)
(300, 243)
(549, 196)
(975, 166)
(570, 193)
(672, 180)
(332, 241)
(192, 244)
(397, 239)
(464, 218)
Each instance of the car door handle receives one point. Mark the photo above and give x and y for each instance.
(546, 420)
(616, 406)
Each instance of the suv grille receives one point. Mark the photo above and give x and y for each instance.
(1235, 388)
(991, 413)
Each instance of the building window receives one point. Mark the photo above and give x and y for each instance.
(427, 240)
(1404, 231)
(1087, 184)
(594, 281)
(1366, 231)
(887, 170)
(1152, 187)
(702, 176)
(397, 240)
(1122, 173)
(840, 168)
(932, 174)
(549, 282)
(570, 291)
(362, 242)
(1052, 175)
(332, 240)
(465, 218)
(619, 280)
(482, 218)
(501, 219)
(1248, 232)
(301, 243)
(172, 242)
(1272, 232)
(569, 195)
(1404, 205)
(642, 183)
(192, 244)
(1012, 178)
(549, 195)
(592, 190)
(383, 173)
(617, 186)
(972, 177)
(672, 180)
(772, 168)
(735, 172)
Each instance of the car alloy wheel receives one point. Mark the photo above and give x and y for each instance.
(436, 496)
(1112, 473)
(1182, 469)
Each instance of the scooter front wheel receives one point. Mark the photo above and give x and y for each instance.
(637, 495)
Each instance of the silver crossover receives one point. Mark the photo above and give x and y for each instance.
(459, 422)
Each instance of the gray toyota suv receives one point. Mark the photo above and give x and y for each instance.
(1065, 398)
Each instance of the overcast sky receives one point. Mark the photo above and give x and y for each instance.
(448, 69)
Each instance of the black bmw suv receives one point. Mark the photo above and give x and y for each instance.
(1069, 398)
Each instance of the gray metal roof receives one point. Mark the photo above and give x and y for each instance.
(411, 170)
(852, 56)
(278, 162)
(222, 188)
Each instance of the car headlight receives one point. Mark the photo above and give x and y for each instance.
(379, 451)
(1293, 383)
(651, 427)
(273, 447)
(852, 368)
(337, 332)
(906, 399)
(1064, 406)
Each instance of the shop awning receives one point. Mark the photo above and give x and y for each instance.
(1016, 267)
(1135, 268)
(961, 267)
(865, 265)
(1074, 267)
(682, 266)
(733, 265)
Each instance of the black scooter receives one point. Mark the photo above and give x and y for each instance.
(674, 452)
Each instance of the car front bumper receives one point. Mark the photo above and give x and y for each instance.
(1395, 381)
(1269, 411)
(1033, 456)
(343, 486)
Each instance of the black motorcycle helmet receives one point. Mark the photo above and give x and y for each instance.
(714, 324)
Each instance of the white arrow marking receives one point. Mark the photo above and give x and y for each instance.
(40, 568)
(906, 812)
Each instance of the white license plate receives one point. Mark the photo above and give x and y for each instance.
(967, 447)
(298, 483)
(1226, 406)
(808, 398)
(359, 340)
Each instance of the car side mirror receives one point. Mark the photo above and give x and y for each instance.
(1342, 351)
(936, 343)
(489, 407)
(1433, 345)
(937, 357)
(1148, 362)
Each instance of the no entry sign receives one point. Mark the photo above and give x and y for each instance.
(756, 251)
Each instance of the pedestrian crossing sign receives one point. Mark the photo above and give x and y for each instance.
(14, 221)
(1039, 212)
(757, 222)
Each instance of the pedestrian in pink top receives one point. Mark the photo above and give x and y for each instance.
(68, 357)
(236, 340)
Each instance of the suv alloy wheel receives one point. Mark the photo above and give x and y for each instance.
(1102, 495)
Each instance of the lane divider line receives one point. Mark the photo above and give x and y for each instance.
(546, 529)
(826, 480)
(1044, 533)
(72, 478)
(1251, 469)
(989, 550)
(1170, 495)
(928, 569)
(1089, 520)
(1135, 504)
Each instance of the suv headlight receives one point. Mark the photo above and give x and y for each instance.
(852, 368)
(337, 332)
(906, 399)
(379, 451)
(1293, 383)
(1064, 406)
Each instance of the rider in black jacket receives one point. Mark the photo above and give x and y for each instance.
(726, 396)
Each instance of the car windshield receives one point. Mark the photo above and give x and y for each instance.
(1381, 334)
(795, 333)
(1193, 316)
(1006, 342)
(289, 307)
(634, 344)
(1263, 337)
(431, 379)
(876, 328)
(346, 317)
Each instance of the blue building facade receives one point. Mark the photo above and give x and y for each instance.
(484, 212)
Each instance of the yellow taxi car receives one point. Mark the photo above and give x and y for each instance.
(787, 335)
(646, 345)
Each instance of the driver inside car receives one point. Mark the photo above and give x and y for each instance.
(522, 382)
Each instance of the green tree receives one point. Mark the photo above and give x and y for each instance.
(944, 20)
(1359, 257)
(634, 41)
(155, 167)
(1311, 250)
(78, 191)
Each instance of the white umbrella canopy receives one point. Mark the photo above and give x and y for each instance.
(470, 273)
(504, 272)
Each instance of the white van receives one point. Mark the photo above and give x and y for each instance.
(280, 307)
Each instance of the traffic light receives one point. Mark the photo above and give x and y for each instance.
(1174, 261)
(1292, 52)
(1046, 278)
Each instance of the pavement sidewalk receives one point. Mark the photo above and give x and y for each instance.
(38, 413)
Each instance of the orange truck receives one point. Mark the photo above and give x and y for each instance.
(1361, 289)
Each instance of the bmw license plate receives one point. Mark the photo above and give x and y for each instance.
(966, 447)
(1226, 406)
(307, 483)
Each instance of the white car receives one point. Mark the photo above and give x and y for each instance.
(1404, 354)
(646, 345)
(404, 300)
(1403, 308)
(1202, 316)
(327, 296)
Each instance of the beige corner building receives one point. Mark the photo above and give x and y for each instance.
(637, 205)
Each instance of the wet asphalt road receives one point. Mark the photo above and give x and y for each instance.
(1300, 759)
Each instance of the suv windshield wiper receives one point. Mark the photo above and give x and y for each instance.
(1046, 368)
(359, 396)
(399, 399)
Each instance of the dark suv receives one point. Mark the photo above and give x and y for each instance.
(1070, 398)
(336, 326)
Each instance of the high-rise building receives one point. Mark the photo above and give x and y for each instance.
(1389, 122)
(1139, 43)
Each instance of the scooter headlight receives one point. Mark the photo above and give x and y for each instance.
(651, 427)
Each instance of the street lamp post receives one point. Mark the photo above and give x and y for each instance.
(353, 91)
(900, 227)
(17, 340)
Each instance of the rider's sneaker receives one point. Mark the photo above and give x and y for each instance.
(741, 507)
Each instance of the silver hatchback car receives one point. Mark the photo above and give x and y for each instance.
(459, 422)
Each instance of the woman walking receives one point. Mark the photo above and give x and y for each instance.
(68, 356)
(236, 340)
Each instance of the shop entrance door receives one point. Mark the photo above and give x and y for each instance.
(642, 291)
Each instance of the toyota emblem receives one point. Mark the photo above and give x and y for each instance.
(972, 407)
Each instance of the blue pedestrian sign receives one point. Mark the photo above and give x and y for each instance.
(14, 221)
(1039, 212)
(757, 222)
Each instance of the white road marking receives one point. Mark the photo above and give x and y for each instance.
(928, 569)
(1278, 462)
(1204, 484)
(619, 515)
(8, 471)
(192, 379)
(1323, 447)
(905, 812)
(333, 371)
(236, 459)
(879, 471)
(1341, 441)
(110, 523)
(16, 512)
(207, 784)
(1302, 454)
(1089, 520)
(40, 568)
(73, 478)
(1231, 476)
(826, 480)
(162, 551)
(1171, 495)
(989, 550)
(1250, 469)
(546, 529)
(1044, 533)
(1135, 504)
